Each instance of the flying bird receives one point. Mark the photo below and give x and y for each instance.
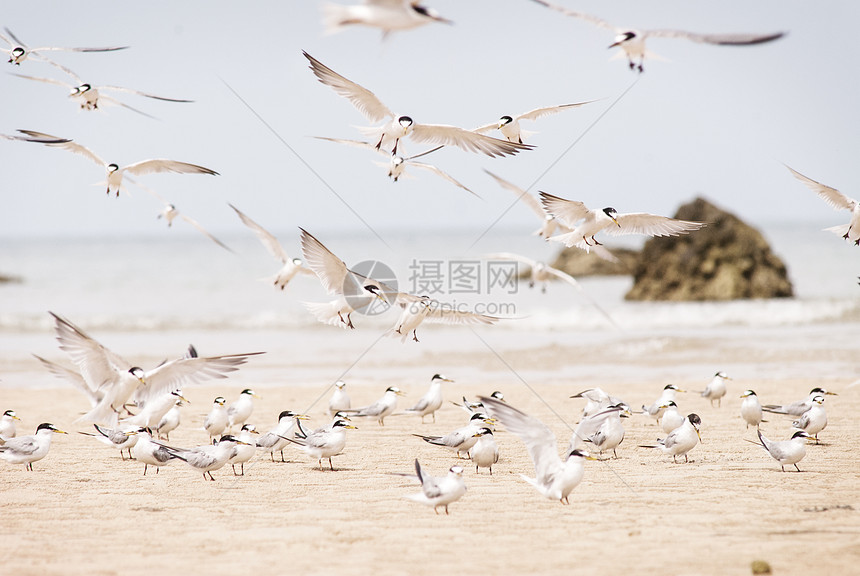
(549, 223)
(89, 96)
(291, 268)
(632, 42)
(397, 164)
(400, 126)
(19, 52)
(838, 201)
(419, 309)
(554, 478)
(509, 126)
(115, 172)
(387, 15)
(354, 291)
(585, 223)
(169, 212)
(115, 381)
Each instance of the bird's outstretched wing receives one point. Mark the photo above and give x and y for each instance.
(363, 99)
(834, 198)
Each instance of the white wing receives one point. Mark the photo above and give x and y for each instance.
(73, 377)
(15, 38)
(73, 147)
(650, 225)
(203, 231)
(832, 196)
(442, 315)
(549, 110)
(442, 174)
(511, 256)
(45, 80)
(97, 364)
(268, 239)
(581, 15)
(330, 269)
(139, 93)
(569, 212)
(363, 99)
(176, 373)
(538, 438)
(162, 165)
(465, 139)
(722, 39)
(521, 194)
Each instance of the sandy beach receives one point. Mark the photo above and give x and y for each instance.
(85, 511)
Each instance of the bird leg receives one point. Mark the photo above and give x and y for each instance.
(798, 469)
(415, 335)
(330, 465)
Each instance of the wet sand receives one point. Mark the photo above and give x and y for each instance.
(85, 511)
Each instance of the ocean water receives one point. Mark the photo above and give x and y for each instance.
(142, 293)
(175, 281)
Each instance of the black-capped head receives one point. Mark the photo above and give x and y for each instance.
(611, 212)
(800, 434)
(49, 427)
(498, 396)
(137, 372)
(577, 453)
(10, 414)
(478, 416)
(227, 438)
(220, 400)
(405, 121)
(248, 392)
(286, 414)
(694, 420)
(505, 120)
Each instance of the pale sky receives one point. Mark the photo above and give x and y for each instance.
(705, 120)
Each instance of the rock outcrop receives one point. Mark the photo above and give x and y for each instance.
(726, 260)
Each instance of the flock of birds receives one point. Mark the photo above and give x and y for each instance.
(134, 410)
